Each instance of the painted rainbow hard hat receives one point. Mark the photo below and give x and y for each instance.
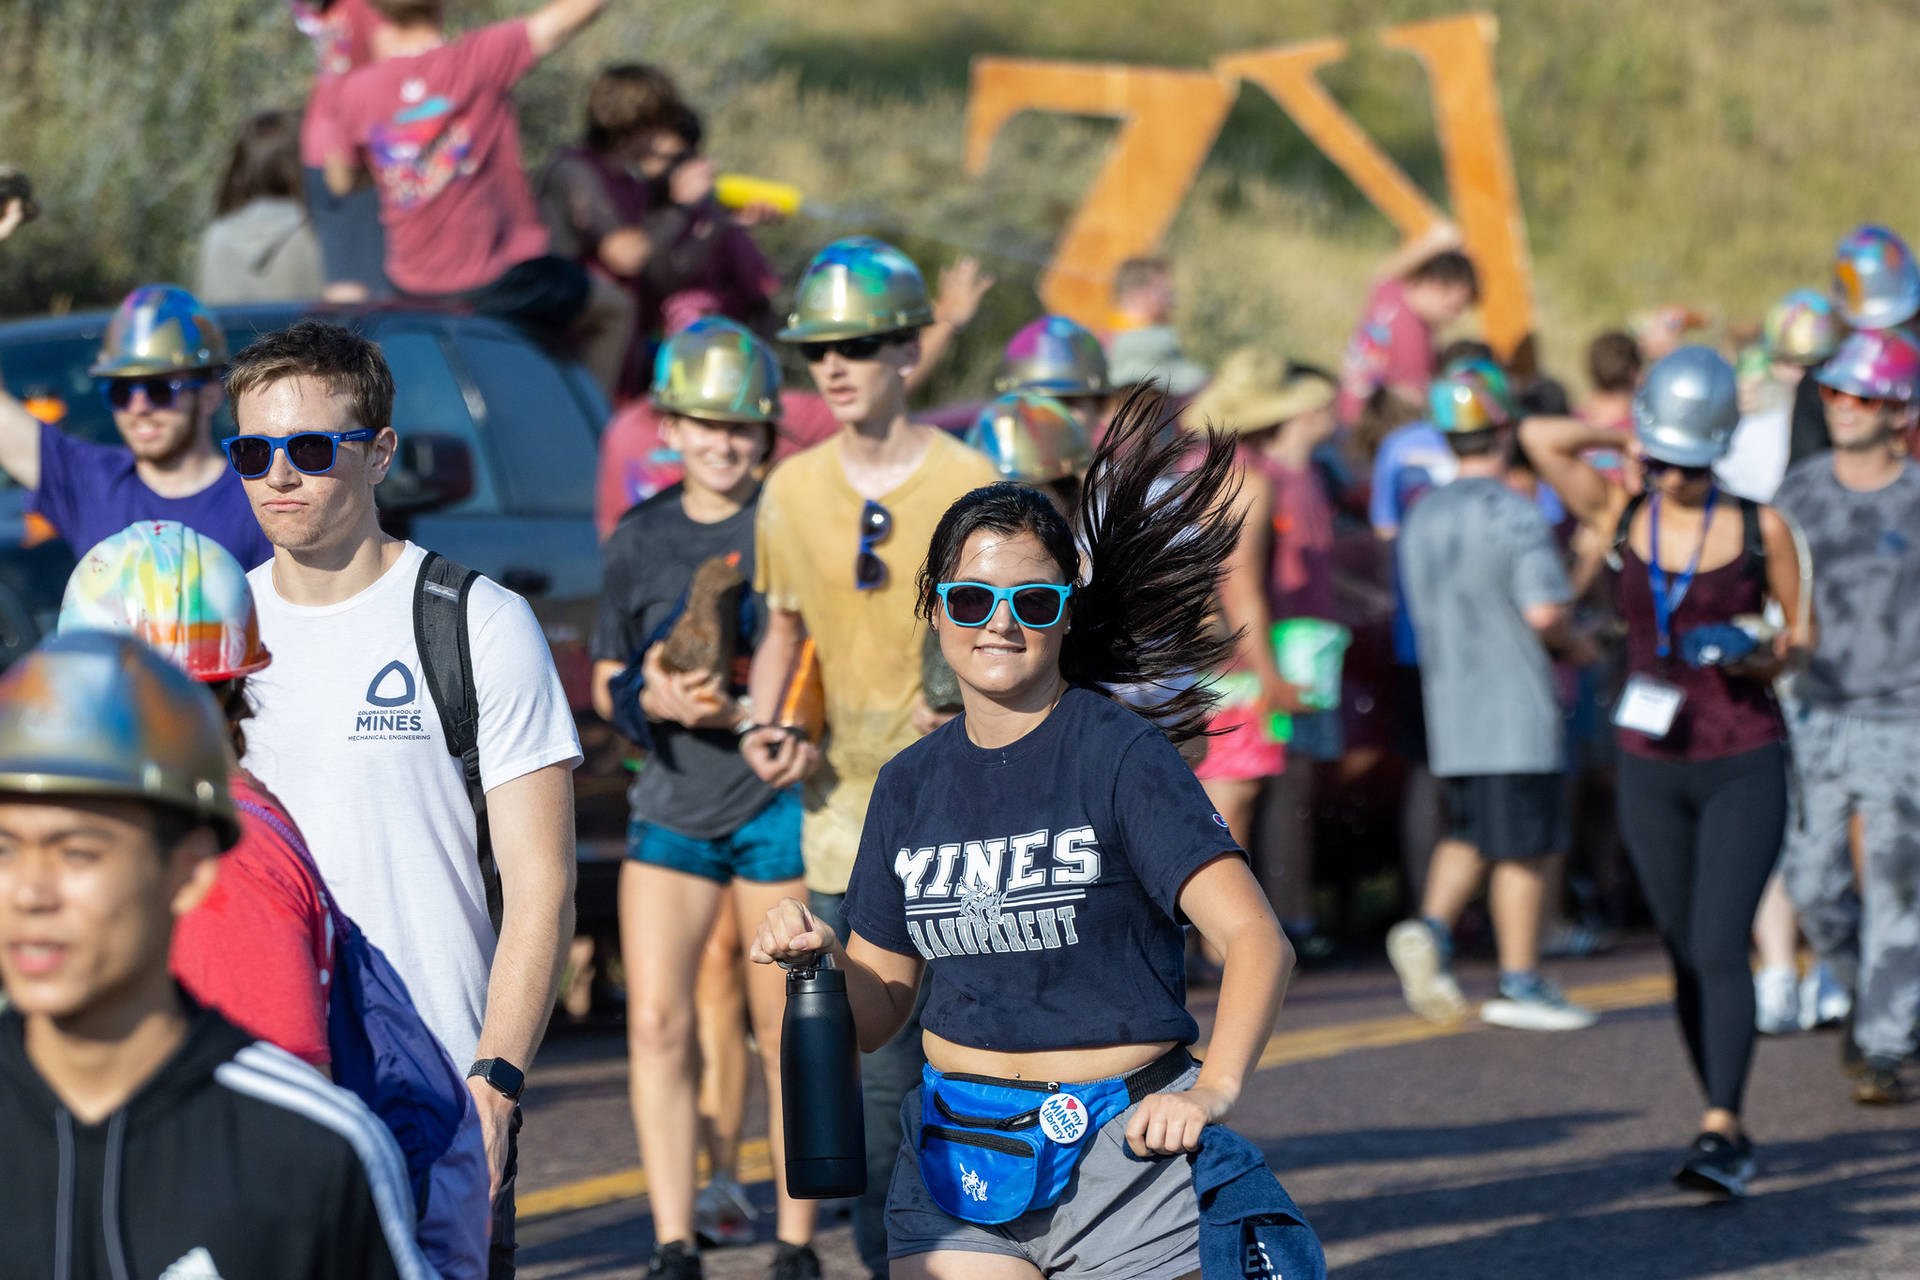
(1056, 357)
(718, 370)
(1803, 328)
(1031, 438)
(160, 328)
(177, 591)
(856, 288)
(1876, 364)
(1471, 395)
(1875, 282)
(89, 714)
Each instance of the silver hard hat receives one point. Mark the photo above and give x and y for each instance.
(1686, 409)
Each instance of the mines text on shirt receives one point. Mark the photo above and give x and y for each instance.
(1041, 881)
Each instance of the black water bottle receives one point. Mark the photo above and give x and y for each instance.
(820, 1087)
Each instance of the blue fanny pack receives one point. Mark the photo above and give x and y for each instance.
(992, 1149)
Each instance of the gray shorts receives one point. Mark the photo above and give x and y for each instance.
(1120, 1217)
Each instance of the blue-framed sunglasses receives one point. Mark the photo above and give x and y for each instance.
(310, 452)
(972, 604)
(160, 389)
(869, 570)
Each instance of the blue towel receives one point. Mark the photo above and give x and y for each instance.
(1250, 1228)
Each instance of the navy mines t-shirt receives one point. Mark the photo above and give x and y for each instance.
(1040, 880)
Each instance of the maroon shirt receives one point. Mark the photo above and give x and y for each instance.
(1722, 715)
(444, 145)
(342, 38)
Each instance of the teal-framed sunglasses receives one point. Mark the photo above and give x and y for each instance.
(972, 604)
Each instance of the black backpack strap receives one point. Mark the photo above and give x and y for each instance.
(446, 663)
(1621, 529)
(1755, 542)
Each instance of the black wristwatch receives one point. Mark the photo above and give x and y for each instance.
(502, 1075)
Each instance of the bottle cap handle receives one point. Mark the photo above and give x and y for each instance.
(821, 960)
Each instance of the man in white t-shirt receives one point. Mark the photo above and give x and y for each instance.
(348, 736)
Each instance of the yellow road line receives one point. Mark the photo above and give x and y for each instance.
(1311, 1045)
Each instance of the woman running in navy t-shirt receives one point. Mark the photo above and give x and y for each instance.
(1039, 855)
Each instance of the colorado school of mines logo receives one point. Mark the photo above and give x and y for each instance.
(392, 712)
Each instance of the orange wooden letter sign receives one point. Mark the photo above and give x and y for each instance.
(1171, 118)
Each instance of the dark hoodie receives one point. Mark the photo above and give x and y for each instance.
(234, 1161)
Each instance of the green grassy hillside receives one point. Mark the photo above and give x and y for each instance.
(1708, 152)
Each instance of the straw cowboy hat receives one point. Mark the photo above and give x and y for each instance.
(1253, 391)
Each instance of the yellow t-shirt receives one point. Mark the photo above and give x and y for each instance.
(806, 540)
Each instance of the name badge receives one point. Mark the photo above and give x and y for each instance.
(1648, 706)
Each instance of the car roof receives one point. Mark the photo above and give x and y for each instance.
(262, 317)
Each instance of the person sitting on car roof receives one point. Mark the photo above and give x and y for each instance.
(435, 116)
(159, 368)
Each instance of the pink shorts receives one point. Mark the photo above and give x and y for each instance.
(1244, 752)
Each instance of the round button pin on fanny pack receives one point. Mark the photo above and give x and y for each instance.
(1063, 1118)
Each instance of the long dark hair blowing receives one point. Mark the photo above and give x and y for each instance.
(1157, 532)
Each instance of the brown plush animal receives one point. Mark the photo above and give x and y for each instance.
(704, 637)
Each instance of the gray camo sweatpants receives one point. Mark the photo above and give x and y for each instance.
(1869, 936)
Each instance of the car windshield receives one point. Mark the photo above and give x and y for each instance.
(49, 376)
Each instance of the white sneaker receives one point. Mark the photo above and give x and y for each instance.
(1776, 1000)
(1429, 989)
(1823, 1002)
(1540, 1007)
(722, 1215)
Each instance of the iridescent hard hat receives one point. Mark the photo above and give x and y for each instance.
(718, 370)
(1471, 395)
(88, 714)
(1875, 282)
(178, 591)
(1876, 364)
(1031, 438)
(855, 288)
(1685, 411)
(160, 329)
(1803, 328)
(1055, 357)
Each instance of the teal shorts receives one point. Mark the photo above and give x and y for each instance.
(764, 850)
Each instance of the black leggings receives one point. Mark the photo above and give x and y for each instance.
(1704, 836)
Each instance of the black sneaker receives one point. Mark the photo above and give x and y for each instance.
(676, 1260)
(794, 1262)
(1717, 1165)
(1880, 1085)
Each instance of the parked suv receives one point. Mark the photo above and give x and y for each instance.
(499, 440)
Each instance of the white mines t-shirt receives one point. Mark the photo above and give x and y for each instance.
(348, 738)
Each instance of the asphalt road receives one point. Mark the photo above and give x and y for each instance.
(1485, 1153)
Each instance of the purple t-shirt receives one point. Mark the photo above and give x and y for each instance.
(91, 492)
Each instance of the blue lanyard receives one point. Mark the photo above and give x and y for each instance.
(1666, 600)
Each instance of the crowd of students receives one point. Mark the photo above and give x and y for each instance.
(988, 716)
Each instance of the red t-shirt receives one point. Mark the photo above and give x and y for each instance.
(259, 948)
(342, 38)
(635, 462)
(1391, 347)
(444, 145)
